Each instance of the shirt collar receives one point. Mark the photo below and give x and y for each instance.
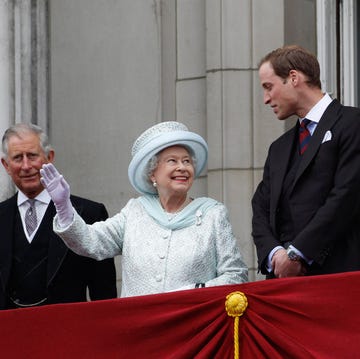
(43, 197)
(318, 110)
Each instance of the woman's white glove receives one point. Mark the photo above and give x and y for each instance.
(59, 191)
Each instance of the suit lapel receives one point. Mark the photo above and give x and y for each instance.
(7, 219)
(57, 248)
(326, 122)
(282, 153)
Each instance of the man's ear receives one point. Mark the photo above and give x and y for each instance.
(294, 77)
(51, 156)
(5, 164)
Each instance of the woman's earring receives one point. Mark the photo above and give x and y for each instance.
(154, 184)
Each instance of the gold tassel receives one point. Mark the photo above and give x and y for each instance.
(235, 305)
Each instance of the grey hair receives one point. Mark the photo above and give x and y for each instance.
(22, 128)
(154, 161)
(152, 164)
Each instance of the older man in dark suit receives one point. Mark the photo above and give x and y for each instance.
(36, 267)
(306, 210)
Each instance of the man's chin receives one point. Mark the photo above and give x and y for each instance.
(31, 190)
(281, 117)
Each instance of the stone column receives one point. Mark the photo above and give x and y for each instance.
(23, 68)
(30, 57)
(6, 82)
(229, 113)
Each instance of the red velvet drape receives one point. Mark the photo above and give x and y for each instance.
(309, 317)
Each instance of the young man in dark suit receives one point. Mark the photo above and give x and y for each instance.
(306, 210)
(36, 267)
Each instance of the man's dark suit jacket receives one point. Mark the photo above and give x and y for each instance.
(324, 199)
(68, 274)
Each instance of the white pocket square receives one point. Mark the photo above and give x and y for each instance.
(327, 136)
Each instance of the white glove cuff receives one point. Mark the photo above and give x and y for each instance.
(65, 213)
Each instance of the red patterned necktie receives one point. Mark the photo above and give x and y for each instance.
(304, 135)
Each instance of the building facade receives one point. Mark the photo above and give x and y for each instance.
(96, 73)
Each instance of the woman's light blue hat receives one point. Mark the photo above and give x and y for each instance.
(157, 138)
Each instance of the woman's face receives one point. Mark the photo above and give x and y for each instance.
(174, 173)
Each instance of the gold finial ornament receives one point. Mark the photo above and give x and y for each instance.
(235, 305)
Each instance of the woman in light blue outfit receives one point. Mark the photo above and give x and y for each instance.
(168, 240)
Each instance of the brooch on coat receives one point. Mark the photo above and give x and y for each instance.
(198, 215)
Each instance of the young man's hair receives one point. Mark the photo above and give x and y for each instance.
(294, 57)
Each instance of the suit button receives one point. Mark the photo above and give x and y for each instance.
(158, 278)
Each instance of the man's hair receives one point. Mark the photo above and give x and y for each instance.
(22, 128)
(294, 57)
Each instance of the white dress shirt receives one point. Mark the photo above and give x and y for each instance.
(41, 204)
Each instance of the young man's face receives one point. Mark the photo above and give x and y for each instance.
(278, 93)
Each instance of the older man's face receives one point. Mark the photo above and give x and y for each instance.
(25, 159)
